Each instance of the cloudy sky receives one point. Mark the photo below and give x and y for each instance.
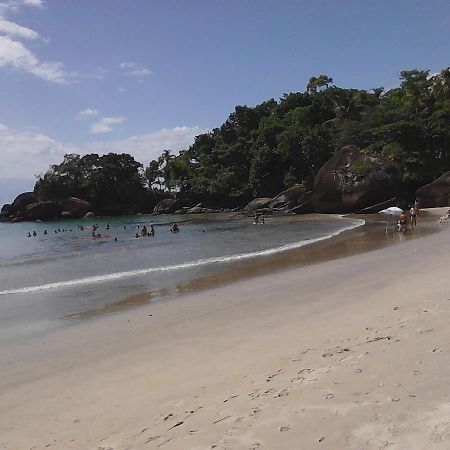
(145, 75)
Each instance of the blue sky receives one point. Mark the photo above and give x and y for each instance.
(140, 76)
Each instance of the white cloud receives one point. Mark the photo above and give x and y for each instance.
(106, 124)
(135, 69)
(14, 5)
(14, 55)
(86, 114)
(13, 29)
(25, 153)
(145, 147)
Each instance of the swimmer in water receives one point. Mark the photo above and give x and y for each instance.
(124, 227)
(152, 230)
(82, 228)
(144, 231)
(115, 239)
(137, 235)
(29, 234)
(34, 234)
(175, 228)
(107, 226)
(45, 232)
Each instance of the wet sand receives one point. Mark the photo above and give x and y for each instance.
(348, 353)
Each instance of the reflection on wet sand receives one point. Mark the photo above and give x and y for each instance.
(127, 302)
(370, 237)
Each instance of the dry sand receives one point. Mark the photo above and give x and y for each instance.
(346, 354)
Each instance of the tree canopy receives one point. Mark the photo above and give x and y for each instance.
(259, 151)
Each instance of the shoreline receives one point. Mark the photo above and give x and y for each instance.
(346, 353)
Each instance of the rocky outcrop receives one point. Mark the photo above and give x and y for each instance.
(197, 209)
(75, 208)
(435, 194)
(166, 206)
(21, 202)
(296, 199)
(43, 211)
(353, 179)
(258, 203)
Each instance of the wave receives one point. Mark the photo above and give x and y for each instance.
(186, 265)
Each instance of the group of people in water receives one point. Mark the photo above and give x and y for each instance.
(258, 220)
(95, 234)
(403, 220)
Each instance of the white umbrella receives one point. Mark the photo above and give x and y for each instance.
(392, 211)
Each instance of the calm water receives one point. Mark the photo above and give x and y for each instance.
(45, 278)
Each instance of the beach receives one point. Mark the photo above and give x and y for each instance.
(346, 353)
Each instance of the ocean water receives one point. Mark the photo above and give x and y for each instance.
(49, 277)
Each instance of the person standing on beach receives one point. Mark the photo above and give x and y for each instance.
(413, 216)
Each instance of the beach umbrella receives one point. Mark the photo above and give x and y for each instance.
(392, 211)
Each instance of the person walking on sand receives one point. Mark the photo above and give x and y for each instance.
(413, 216)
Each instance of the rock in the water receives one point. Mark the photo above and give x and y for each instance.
(258, 203)
(435, 194)
(43, 211)
(5, 212)
(21, 201)
(296, 196)
(75, 208)
(89, 215)
(353, 179)
(166, 206)
(6, 209)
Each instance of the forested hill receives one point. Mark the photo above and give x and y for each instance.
(261, 150)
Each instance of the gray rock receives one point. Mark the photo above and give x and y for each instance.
(296, 197)
(166, 206)
(353, 179)
(435, 194)
(43, 211)
(75, 208)
(258, 203)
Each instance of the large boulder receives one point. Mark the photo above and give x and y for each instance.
(166, 206)
(43, 211)
(258, 203)
(435, 194)
(5, 212)
(353, 179)
(75, 208)
(21, 201)
(296, 198)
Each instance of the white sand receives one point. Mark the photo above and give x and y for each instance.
(348, 354)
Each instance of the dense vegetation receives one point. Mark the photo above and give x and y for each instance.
(113, 183)
(261, 150)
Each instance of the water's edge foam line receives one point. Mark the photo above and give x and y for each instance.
(185, 265)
